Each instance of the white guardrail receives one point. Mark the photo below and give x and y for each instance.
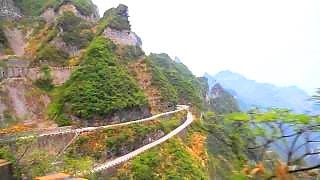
(136, 152)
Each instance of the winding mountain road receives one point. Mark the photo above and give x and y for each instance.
(132, 154)
(90, 129)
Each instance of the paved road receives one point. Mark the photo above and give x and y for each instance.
(88, 129)
(132, 154)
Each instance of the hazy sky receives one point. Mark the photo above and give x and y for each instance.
(276, 41)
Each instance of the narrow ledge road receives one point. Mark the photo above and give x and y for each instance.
(136, 152)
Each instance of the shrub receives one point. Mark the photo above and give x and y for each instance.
(76, 32)
(45, 81)
(53, 55)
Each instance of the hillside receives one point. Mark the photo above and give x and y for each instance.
(250, 93)
(78, 95)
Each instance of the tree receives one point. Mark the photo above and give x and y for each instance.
(271, 136)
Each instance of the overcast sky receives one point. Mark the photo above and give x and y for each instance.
(275, 41)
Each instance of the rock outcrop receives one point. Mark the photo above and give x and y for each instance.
(123, 37)
(9, 10)
(50, 14)
(118, 28)
(16, 40)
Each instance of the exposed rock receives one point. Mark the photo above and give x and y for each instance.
(49, 15)
(216, 91)
(142, 74)
(25, 102)
(60, 44)
(123, 37)
(9, 10)
(16, 40)
(68, 6)
(117, 117)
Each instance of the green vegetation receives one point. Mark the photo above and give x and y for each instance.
(168, 91)
(45, 81)
(169, 161)
(36, 7)
(121, 140)
(52, 55)
(86, 7)
(223, 102)
(99, 87)
(115, 18)
(188, 87)
(76, 31)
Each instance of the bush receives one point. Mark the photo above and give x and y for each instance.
(45, 81)
(115, 18)
(35, 7)
(53, 55)
(76, 32)
(86, 7)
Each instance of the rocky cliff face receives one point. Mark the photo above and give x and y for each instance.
(123, 37)
(118, 28)
(9, 10)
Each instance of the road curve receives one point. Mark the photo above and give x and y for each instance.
(89, 129)
(132, 154)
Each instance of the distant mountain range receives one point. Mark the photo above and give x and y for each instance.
(250, 93)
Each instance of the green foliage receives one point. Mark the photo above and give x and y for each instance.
(169, 161)
(45, 81)
(118, 141)
(86, 7)
(167, 90)
(52, 55)
(131, 53)
(76, 31)
(100, 86)
(80, 164)
(35, 7)
(115, 18)
(41, 164)
(188, 87)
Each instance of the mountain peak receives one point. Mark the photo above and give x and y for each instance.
(228, 75)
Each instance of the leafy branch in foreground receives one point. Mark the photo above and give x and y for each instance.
(271, 136)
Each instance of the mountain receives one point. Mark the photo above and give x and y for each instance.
(251, 93)
(221, 101)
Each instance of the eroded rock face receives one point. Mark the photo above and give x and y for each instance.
(9, 10)
(50, 14)
(21, 99)
(16, 40)
(60, 44)
(123, 37)
(67, 7)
